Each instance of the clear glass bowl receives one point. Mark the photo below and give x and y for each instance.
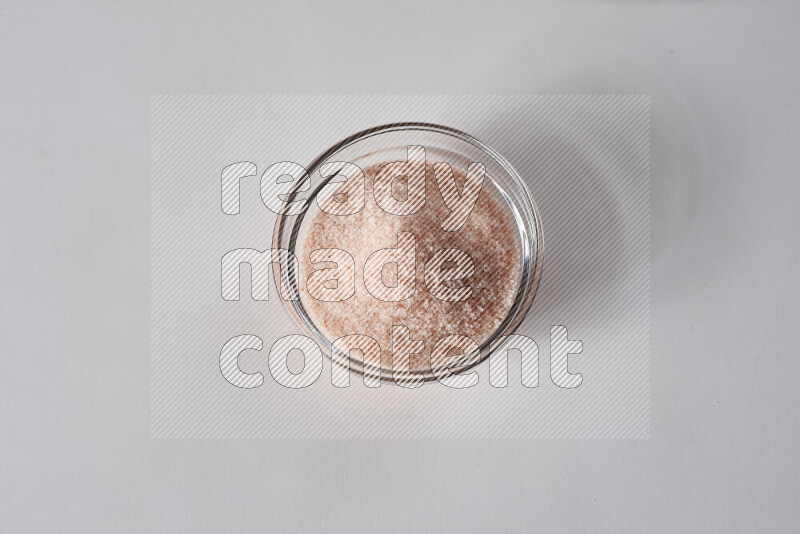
(389, 143)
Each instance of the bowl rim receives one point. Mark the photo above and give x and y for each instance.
(532, 257)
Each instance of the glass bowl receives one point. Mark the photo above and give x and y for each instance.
(389, 143)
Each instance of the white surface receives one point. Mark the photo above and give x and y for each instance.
(76, 84)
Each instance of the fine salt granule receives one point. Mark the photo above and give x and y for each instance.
(489, 236)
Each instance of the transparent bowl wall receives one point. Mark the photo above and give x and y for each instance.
(389, 143)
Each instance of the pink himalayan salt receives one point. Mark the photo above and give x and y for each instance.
(488, 236)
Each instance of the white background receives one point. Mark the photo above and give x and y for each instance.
(74, 156)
